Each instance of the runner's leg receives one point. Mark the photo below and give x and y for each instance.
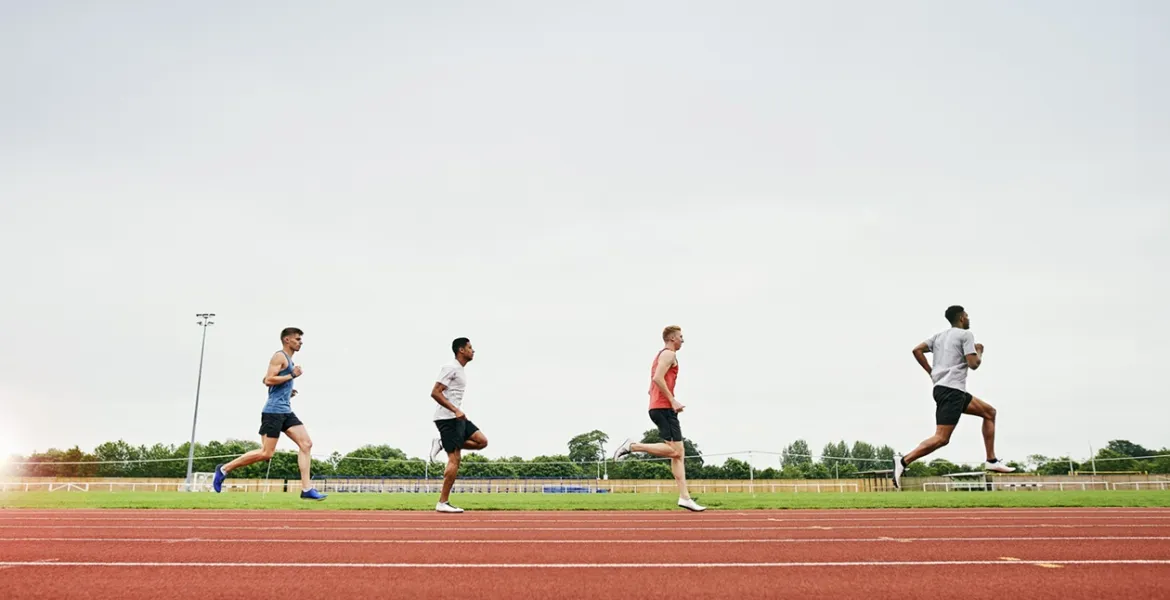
(941, 437)
(449, 475)
(982, 409)
(264, 452)
(300, 435)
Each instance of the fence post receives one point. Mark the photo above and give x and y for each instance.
(751, 474)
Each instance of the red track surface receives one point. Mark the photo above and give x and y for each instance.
(979, 553)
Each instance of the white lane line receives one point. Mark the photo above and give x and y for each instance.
(586, 541)
(41, 561)
(700, 565)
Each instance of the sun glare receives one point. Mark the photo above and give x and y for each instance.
(9, 448)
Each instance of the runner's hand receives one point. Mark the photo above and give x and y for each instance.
(677, 407)
(979, 348)
(459, 415)
(297, 371)
(294, 392)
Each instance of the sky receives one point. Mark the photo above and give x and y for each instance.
(803, 187)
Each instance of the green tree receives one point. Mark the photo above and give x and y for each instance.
(1127, 448)
(832, 455)
(1057, 466)
(75, 455)
(551, 466)
(586, 448)
(918, 469)
(846, 470)
(1035, 460)
(642, 469)
(1108, 459)
(796, 454)
(119, 457)
(736, 469)
(371, 461)
(816, 471)
(942, 466)
(864, 455)
(1161, 465)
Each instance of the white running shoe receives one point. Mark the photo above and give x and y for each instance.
(899, 469)
(998, 467)
(445, 507)
(436, 449)
(690, 504)
(623, 451)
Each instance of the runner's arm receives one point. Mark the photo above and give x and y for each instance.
(974, 352)
(275, 366)
(665, 361)
(920, 355)
(437, 395)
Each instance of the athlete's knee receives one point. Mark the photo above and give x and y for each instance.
(941, 440)
(989, 413)
(677, 451)
(266, 453)
(306, 446)
(482, 442)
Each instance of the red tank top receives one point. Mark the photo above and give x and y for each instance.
(657, 399)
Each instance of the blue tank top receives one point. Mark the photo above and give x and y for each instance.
(280, 396)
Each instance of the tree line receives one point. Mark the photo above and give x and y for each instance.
(586, 458)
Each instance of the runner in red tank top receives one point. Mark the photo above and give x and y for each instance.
(664, 409)
(657, 398)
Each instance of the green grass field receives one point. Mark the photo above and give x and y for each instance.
(173, 500)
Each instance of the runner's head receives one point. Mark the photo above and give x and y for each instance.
(673, 337)
(957, 317)
(290, 337)
(463, 350)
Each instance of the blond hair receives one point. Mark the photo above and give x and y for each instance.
(669, 331)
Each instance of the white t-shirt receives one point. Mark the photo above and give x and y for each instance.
(950, 349)
(455, 379)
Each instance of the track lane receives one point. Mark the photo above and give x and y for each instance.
(529, 552)
(825, 554)
(991, 582)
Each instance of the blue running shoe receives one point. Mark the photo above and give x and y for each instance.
(313, 494)
(217, 482)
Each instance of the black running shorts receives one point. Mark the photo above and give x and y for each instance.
(453, 432)
(949, 404)
(271, 424)
(667, 421)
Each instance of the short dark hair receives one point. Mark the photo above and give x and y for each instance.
(953, 313)
(287, 331)
(458, 344)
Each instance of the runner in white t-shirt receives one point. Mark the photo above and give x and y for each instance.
(955, 352)
(456, 431)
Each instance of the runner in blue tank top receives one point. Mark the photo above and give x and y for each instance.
(277, 416)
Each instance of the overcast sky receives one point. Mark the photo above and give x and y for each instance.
(803, 187)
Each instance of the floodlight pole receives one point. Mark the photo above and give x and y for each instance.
(605, 463)
(204, 322)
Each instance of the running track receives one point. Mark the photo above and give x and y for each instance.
(976, 553)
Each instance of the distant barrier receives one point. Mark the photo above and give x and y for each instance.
(355, 485)
(107, 484)
(1137, 485)
(951, 486)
